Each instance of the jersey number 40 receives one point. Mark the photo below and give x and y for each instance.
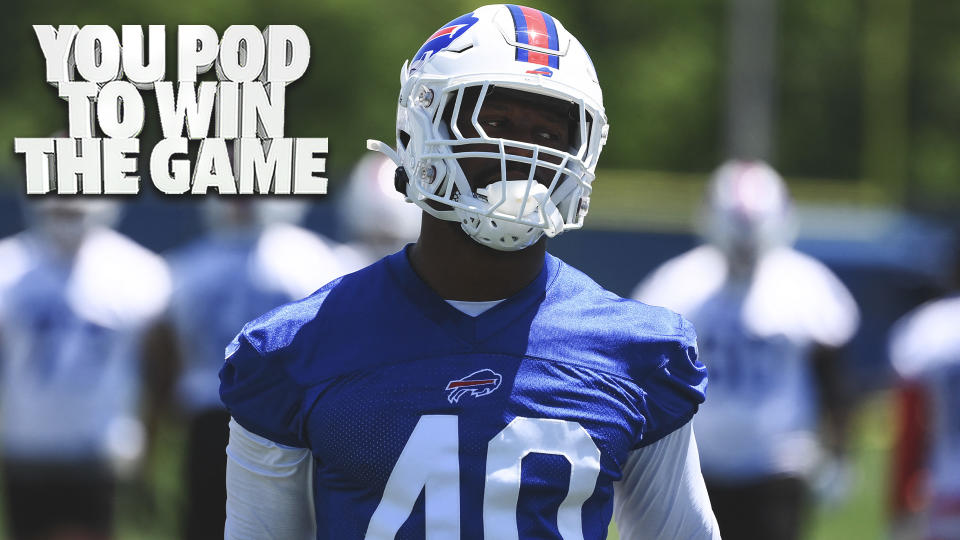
(430, 461)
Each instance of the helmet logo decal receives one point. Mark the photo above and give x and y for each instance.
(545, 71)
(442, 38)
(535, 28)
(446, 31)
(476, 384)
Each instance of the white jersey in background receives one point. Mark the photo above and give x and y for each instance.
(224, 280)
(70, 346)
(760, 417)
(925, 349)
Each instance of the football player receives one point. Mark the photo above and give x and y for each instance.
(254, 258)
(472, 385)
(370, 192)
(75, 299)
(770, 321)
(925, 351)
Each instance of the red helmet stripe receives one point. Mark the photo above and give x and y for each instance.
(536, 34)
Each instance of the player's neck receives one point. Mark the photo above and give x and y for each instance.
(458, 268)
(740, 270)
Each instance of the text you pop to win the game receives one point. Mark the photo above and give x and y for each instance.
(246, 106)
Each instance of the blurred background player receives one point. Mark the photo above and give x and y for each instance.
(75, 298)
(371, 192)
(253, 258)
(925, 351)
(769, 322)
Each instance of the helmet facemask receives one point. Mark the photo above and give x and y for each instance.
(505, 192)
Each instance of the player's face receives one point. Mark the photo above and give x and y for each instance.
(229, 212)
(62, 223)
(519, 116)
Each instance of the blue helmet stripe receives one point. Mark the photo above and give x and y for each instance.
(520, 23)
(554, 39)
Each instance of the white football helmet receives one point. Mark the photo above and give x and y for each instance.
(498, 47)
(749, 210)
(371, 209)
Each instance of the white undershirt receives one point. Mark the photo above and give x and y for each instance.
(473, 309)
(269, 489)
(661, 495)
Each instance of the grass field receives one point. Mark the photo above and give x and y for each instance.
(864, 514)
(149, 509)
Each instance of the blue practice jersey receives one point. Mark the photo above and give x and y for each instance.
(224, 280)
(426, 422)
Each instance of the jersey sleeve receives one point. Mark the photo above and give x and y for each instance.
(259, 393)
(797, 296)
(673, 391)
(925, 338)
(662, 493)
(657, 287)
(838, 317)
(681, 284)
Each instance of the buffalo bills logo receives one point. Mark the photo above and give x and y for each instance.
(545, 71)
(442, 38)
(476, 384)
